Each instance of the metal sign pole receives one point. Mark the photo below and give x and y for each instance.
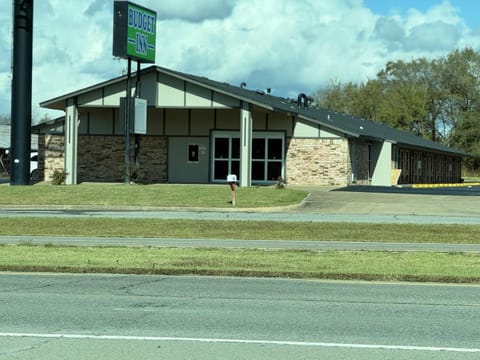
(136, 155)
(127, 123)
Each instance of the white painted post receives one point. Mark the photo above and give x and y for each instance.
(71, 141)
(245, 145)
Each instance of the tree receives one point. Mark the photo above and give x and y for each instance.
(438, 99)
(359, 100)
(5, 120)
(338, 97)
(466, 136)
(415, 96)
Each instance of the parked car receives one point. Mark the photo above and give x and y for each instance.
(34, 173)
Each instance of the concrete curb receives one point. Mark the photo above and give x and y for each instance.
(426, 186)
(273, 209)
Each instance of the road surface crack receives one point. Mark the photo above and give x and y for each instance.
(9, 354)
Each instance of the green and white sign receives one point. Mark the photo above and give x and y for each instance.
(134, 32)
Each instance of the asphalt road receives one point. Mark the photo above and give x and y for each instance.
(157, 317)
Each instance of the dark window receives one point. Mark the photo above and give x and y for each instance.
(274, 169)
(221, 169)
(258, 170)
(221, 148)
(193, 153)
(236, 168)
(258, 148)
(235, 148)
(275, 149)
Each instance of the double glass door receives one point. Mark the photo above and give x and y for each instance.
(226, 157)
(267, 163)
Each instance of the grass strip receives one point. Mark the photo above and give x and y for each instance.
(254, 230)
(156, 195)
(358, 265)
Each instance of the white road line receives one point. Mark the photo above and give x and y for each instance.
(241, 341)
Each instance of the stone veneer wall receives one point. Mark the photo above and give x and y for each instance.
(102, 158)
(51, 155)
(154, 159)
(318, 161)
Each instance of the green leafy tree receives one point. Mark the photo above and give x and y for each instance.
(438, 99)
(466, 136)
(414, 96)
(462, 79)
(338, 97)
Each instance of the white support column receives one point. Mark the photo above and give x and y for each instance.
(71, 141)
(353, 159)
(382, 159)
(245, 145)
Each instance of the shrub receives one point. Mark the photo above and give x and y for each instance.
(58, 177)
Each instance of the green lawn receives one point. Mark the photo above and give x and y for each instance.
(406, 266)
(353, 265)
(364, 265)
(231, 229)
(157, 195)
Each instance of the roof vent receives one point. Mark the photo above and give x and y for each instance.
(302, 101)
(260, 92)
(243, 85)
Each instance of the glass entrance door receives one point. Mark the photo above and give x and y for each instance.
(226, 157)
(267, 165)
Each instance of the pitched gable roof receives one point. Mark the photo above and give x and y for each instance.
(350, 126)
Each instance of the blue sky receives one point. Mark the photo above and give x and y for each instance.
(290, 46)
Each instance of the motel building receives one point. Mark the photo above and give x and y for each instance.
(199, 130)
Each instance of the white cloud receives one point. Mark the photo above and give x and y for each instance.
(290, 46)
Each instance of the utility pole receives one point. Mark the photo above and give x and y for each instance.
(21, 110)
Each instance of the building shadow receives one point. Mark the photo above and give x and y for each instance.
(466, 190)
